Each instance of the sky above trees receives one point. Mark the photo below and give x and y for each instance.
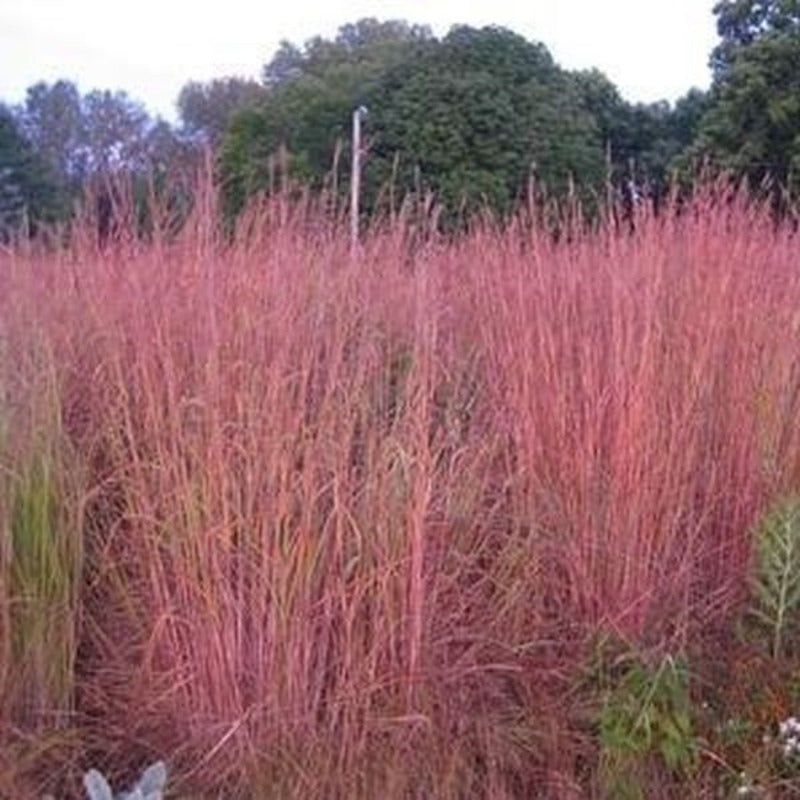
(650, 49)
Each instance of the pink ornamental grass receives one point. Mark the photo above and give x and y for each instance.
(341, 526)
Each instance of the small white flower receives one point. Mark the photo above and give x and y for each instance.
(746, 789)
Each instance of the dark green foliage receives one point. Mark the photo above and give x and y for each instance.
(470, 117)
(477, 115)
(206, 108)
(80, 136)
(311, 95)
(114, 132)
(642, 140)
(473, 116)
(742, 22)
(686, 116)
(246, 158)
(51, 118)
(368, 46)
(29, 193)
(68, 145)
(750, 125)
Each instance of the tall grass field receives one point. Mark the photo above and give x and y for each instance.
(500, 515)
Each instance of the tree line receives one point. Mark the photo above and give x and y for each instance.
(473, 119)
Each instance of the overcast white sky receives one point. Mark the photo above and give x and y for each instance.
(651, 49)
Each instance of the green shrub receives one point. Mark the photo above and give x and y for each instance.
(775, 580)
(645, 717)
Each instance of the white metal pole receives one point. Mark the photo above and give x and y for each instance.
(355, 180)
